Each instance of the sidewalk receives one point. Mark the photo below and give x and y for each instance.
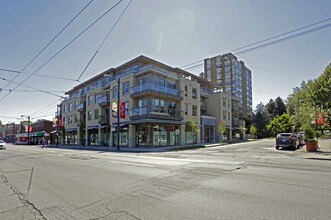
(142, 149)
(322, 153)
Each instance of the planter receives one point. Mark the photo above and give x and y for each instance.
(311, 146)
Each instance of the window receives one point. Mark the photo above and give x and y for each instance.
(186, 90)
(224, 101)
(194, 110)
(96, 113)
(64, 108)
(186, 108)
(126, 108)
(96, 98)
(115, 91)
(89, 100)
(126, 88)
(89, 115)
(142, 103)
(70, 107)
(76, 104)
(64, 120)
(75, 118)
(224, 115)
(229, 103)
(70, 119)
(194, 93)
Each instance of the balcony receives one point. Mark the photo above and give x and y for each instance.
(150, 88)
(103, 120)
(203, 106)
(104, 100)
(142, 113)
(81, 107)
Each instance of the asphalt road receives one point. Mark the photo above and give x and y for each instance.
(239, 181)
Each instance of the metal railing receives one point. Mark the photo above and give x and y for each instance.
(155, 88)
(141, 113)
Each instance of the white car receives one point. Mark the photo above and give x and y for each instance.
(2, 145)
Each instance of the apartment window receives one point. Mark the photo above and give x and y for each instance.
(126, 108)
(89, 100)
(186, 108)
(70, 119)
(89, 115)
(194, 93)
(186, 89)
(224, 101)
(115, 91)
(64, 120)
(142, 103)
(76, 104)
(126, 88)
(224, 115)
(70, 107)
(96, 113)
(96, 98)
(75, 118)
(64, 108)
(229, 116)
(194, 110)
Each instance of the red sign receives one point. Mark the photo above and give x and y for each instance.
(122, 110)
(30, 128)
(320, 120)
(59, 122)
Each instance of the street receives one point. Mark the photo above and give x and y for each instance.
(249, 180)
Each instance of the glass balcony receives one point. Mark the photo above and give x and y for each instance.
(141, 113)
(150, 87)
(104, 100)
(81, 106)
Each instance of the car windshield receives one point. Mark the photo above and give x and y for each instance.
(1, 141)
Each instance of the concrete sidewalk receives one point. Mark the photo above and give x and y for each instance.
(323, 152)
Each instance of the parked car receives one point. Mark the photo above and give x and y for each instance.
(2, 145)
(301, 141)
(287, 140)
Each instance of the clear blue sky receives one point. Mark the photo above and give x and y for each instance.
(174, 32)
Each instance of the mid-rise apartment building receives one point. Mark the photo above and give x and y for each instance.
(226, 72)
(158, 101)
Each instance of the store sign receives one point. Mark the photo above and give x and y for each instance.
(114, 109)
(30, 128)
(122, 110)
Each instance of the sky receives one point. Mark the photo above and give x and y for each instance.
(175, 32)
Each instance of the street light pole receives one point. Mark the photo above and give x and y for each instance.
(118, 113)
(118, 107)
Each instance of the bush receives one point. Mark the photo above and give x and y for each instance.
(310, 135)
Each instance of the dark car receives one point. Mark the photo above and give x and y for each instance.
(287, 140)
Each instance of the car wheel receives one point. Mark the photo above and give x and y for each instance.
(277, 147)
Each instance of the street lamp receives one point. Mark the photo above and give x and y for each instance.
(118, 106)
(28, 117)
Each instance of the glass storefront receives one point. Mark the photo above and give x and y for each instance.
(124, 137)
(156, 135)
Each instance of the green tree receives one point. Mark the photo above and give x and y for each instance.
(280, 124)
(261, 119)
(271, 107)
(252, 130)
(63, 134)
(192, 128)
(221, 129)
(81, 132)
(280, 107)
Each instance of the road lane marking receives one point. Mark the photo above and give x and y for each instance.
(133, 164)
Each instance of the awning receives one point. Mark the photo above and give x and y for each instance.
(71, 129)
(92, 127)
(155, 121)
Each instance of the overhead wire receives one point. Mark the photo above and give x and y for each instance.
(44, 48)
(45, 108)
(26, 90)
(31, 87)
(41, 75)
(104, 40)
(45, 63)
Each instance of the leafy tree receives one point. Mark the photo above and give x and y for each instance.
(261, 119)
(63, 134)
(192, 127)
(271, 107)
(279, 106)
(221, 129)
(280, 124)
(81, 132)
(252, 130)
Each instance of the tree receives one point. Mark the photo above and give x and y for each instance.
(280, 124)
(261, 119)
(252, 130)
(192, 127)
(81, 132)
(280, 108)
(221, 129)
(271, 108)
(63, 134)
(243, 131)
